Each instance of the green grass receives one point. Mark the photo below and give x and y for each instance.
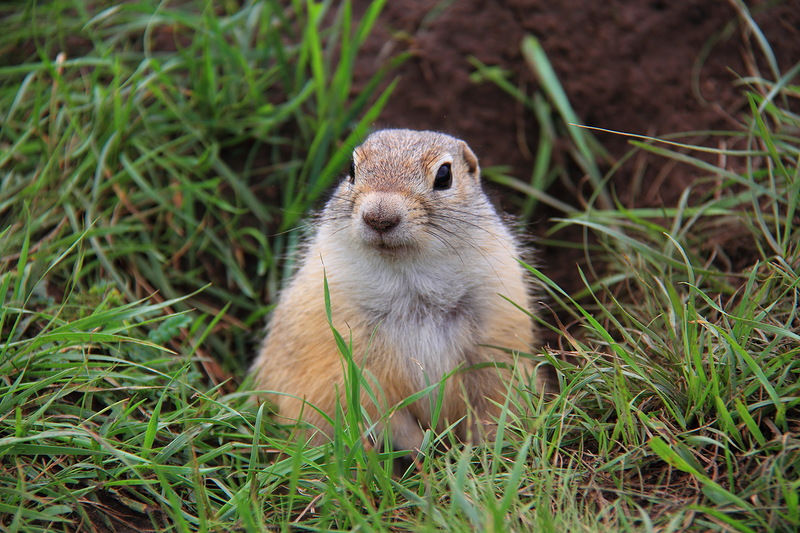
(175, 139)
(148, 177)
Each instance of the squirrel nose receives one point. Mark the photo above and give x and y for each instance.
(381, 221)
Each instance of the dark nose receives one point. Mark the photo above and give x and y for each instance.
(380, 220)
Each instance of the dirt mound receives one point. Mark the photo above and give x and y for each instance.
(648, 67)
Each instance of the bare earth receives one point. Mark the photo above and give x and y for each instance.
(646, 67)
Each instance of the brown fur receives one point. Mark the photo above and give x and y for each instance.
(418, 300)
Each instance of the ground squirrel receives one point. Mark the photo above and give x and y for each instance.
(419, 266)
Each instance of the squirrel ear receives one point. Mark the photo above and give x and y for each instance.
(471, 160)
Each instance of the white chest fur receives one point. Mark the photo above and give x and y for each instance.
(428, 314)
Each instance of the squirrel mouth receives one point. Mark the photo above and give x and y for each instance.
(389, 247)
(385, 245)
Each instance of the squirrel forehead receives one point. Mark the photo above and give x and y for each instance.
(392, 148)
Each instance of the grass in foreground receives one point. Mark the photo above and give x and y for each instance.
(681, 414)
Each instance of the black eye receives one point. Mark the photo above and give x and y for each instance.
(352, 171)
(443, 179)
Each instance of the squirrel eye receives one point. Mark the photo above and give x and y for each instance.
(443, 179)
(352, 171)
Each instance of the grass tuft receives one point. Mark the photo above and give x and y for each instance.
(185, 140)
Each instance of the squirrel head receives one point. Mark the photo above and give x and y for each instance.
(413, 160)
(408, 191)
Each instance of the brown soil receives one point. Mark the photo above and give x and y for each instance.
(647, 67)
